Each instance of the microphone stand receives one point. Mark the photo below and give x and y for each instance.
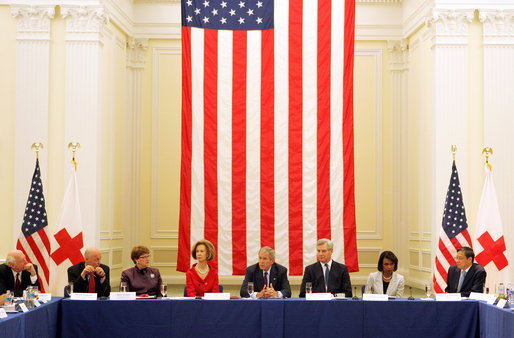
(355, 293)
(411, 298)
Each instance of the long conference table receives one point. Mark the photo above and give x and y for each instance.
(260, 318)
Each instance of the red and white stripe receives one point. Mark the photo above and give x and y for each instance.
(37, 251)
(267, 138)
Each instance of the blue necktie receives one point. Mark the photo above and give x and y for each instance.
(327, 274)
(461, 280)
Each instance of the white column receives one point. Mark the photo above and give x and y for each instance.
(135, 65)
(83, 109)
(498, 35)
(399, 66)
(449, 30)
(32, 95)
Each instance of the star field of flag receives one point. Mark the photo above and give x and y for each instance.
(228, 14)
(35, 218)
(454, 216)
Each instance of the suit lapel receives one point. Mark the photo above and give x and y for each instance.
(259, 279)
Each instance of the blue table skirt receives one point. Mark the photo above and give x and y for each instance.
(268, 318)
(495, 322)
(41, 322)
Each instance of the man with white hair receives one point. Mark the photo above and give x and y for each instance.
(90, 276)
(16, 273)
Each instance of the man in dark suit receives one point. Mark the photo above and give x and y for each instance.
(269, 278)
(16, 273)
(90, 275)
(466, 276)
(326, 275)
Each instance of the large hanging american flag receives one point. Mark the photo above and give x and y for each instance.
(267, 131)
(454, 232)
(33, 239)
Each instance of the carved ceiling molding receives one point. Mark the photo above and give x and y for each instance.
(450, 22)
(497, 23)
(399, 50)
(84, 19)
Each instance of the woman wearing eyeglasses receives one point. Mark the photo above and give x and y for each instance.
(202, 277)
(142, 279)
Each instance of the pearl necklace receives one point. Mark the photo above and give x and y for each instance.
(387, 278)
(200, 271)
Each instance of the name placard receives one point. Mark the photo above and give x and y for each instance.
(318, 296)
(501, 303)
(3, 314)
(36, 303)
(123, 296)
(216, 296)
(23, 307)
(44, 297)
(83, 296)
(372, 296)
(490, 299)
(448, 297)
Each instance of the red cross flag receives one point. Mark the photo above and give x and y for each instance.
(67, 241)
(490, 249)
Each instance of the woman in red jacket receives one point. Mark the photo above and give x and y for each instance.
(202, 277)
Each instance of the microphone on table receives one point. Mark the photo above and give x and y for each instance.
(411, 298)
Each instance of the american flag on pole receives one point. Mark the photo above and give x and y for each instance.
(267, 131)
(490, 248)
(33, 239)
(454, 232)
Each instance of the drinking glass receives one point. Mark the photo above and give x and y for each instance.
(486, 289)
(368, 290)
(123, 287)
(250, 289)
(69, 288)
(36, 292)
(164, 289)
(8, 298)
(428, 289)
(308, 287)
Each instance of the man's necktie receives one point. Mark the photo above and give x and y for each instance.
(91, 288)
(266, 278)
(461, 280)
(327, 274)
(18, 282)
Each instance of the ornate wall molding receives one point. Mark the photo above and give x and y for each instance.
(33, 21)
(84, 23)
(450, 26)
(136, 52)
(399, 50)
(498, 26)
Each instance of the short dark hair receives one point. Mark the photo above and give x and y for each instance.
(468, 252)
(389, 255)
(138, 251)
(211, 252)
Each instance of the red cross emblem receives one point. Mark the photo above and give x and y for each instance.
(493, 251)
(68, 248)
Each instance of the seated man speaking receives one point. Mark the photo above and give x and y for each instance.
(90, 276)
(268, 277)
(466, 276)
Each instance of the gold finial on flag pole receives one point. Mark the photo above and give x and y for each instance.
(454, 150)
(74, 146)
(36, 146)
(487, 151)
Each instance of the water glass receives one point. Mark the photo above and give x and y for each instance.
(8, 298)
(164, 289)
(250, 289)
(428, 289)
(69, 288)
(308, 287)
(123, 287)
(486, 289)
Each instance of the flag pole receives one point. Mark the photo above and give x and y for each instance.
(74, 146)
(36, 146)
(487, 151)
(454, 150)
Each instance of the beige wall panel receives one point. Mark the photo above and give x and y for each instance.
(365, 140)
(7, 125)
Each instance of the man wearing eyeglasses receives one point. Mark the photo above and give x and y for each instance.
(90, 276)
(466, 276)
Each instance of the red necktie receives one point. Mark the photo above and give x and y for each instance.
(91, 283)
(18, 283)
(266, 278)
